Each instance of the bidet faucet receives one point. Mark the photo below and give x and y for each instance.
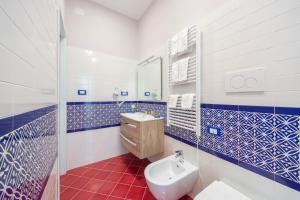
(179, 155)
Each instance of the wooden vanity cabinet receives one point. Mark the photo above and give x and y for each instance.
(142, 138)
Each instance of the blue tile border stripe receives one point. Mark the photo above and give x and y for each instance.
(14, 122)
(84, 116)
(114, 102)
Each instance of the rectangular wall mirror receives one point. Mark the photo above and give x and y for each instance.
(150, 79)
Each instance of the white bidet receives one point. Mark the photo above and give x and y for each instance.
(171, 178)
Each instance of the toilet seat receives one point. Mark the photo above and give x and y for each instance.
(220, 191)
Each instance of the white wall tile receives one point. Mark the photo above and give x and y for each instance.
(6, 106)
(99, 77)
(98, 145)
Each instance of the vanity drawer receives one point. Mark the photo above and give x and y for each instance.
(131, 145)
(129, 126)
(134, 125)
(130, 133)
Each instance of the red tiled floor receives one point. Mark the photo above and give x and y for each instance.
(120, 191)
(140, 181)
(148, 195)
(118, 178)
(114, 176)
(68, 194)
(83, 195)
(80, 183)
(136, 193)
(93, 185)
(101, 174)
(127, 179)
(132, 170)
(90, 173)
(67, 180)
(78, 171)
(107, 188)
(62, 188)
(98, 197)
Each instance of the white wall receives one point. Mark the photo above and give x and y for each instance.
(28, 56)
(240, 34)
(250, 35)
(100, 29)
(90, 146)
(165, 18)
(99, 74)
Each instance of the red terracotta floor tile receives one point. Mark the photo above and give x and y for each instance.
(106, 188)
(109, 166)
(80, 183)
(137, 163)
(114, 177)
(93, 185)
(77, 171)
(114, 198)
(136, 193)
(62, 189)
(127, 179)
(120, 191)
(141, 172)
(120, 168)
(102, 175)
(90, 173)
(148, 195)
(140, 181)
(98, 197)
(68, 194)
(132, 170)
(67, 180)
(83, 195)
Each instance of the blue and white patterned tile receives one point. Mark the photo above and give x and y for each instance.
(247, 151)
(231, 116)
(247, 130)
(247, 118)
(287, 141)
(219, 114)
(206, 113)
(264, 120)
(23, 177)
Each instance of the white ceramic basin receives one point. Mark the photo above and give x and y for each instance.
(170, 180)
(139, 116)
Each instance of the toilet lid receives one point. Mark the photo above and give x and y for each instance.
(220, 191)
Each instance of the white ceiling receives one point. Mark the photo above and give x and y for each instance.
(131, 8)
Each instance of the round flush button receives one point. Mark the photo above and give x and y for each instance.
(251, 82)
(237, 82)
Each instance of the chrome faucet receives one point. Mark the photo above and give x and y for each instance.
(179, 155)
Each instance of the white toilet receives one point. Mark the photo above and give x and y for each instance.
(170, 178)
(220, 191)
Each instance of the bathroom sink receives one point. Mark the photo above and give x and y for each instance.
(139, 116)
